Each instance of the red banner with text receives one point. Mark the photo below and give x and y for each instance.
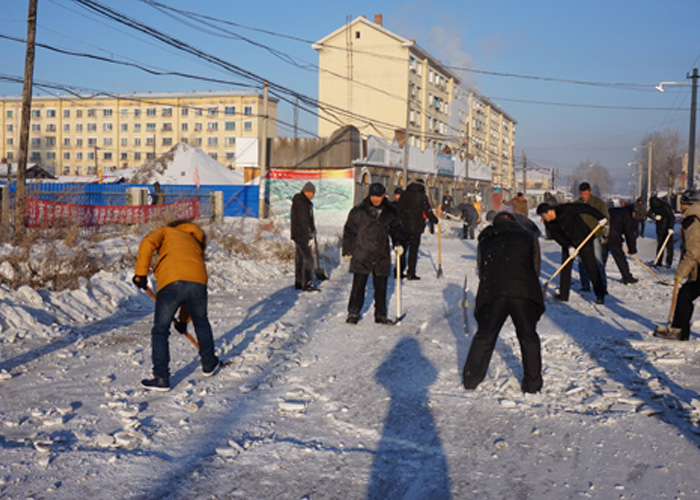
(42, 213)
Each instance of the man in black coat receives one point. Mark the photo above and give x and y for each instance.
(366, 239)
(569, 229)
(303, 232)
(508, 259)
(470, 219)
(622, 226)
(665, 219)
(413, 207)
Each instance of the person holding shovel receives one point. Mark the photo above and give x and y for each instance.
(679, 328)
(182, 281)
(366, 240)
(303, 232)
(663, 215)
(566, 225)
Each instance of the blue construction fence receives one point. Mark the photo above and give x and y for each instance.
(239, 200)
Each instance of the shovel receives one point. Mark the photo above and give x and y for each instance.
(661, 250)
(439, 269)
(645, 267)
(320, 273)
(663, 331)
(399, 251)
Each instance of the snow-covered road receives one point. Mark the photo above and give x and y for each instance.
(311, 407)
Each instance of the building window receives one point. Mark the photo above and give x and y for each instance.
(137, 156)
(36, 113)
(36, 156)
(66, 156)
(247, 126)
(66, 127)
(167, 112)
(9, 141)
(10, 155)
(79, 155)
(214, 156)
(167, 141)
(137, 141)
(78, 127)
(167, 127)
(66, 142)
(9, 113)
(230, 141)
(184, 111)
(9, 127)
(51, 141)
(124, 142)
(213, 111)
(36, 127)
(230, 126)
(51, 155)
(248, 110)
(125, 127)
(106, 113)
(107, 155)
(198, 141)
(137, 127)
(137, 113)
(36, 142)
(66, 170)
(230, 156)
(91, 170)
(183, 127)
(107, 141)
(197, 111)
(92, 142)
(150, 141)
(198, 127)
(212, 141)
(124, 156)
(211, 126)
(106, 127)
(91, 113)
(78, 170)
(150, 111)
(51, 127)
(92, 127)
(124, 112)
(230, 110)
(79, 142)
(50, 113)
(150, 156)
(150, 127)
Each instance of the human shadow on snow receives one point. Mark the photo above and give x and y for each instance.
(410, 461)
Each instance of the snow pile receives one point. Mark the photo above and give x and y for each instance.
(185, 165)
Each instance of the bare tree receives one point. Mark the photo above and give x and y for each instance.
(596, 175)
(666, 160)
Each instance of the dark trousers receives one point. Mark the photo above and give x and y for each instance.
(303, 266)
(491, 317)
(357, 294)
(684, 307)
(660, 238)
(467, 229)
(168, 300)
(587, 256)
(614, 248)
(641, 228)
(413, 241)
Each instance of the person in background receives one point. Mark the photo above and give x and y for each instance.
(665, 219)
(640, 215)
(508, 260)
(413, 207)
(366, 240)
(158, 194)
(447, 203)
(687, 267)
(519, 204)
(303, 231)
(623, 226)
(181, 276)
(566, 225)
(586, 196)
(470, 219)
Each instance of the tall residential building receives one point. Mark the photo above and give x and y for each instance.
(382, 83)
(77, 135)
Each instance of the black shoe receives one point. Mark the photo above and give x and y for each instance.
(156, 384)
(413, 277)
(383, 321)
(353, 319)
(298, 286)
(311, 288)
(600, 300)
(630, 281)
(561, 298)
(209, 372)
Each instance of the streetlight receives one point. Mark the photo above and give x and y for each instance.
(650, 146)
(638, 191)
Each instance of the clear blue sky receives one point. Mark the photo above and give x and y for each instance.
(560, 124)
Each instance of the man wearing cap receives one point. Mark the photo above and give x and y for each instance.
(366, 240)
(412, 206)
(688, 267)
(566, 225)
(586, 196)
(303, 232)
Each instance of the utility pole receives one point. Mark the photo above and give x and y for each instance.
(524, 173)
(21, 186)
(262, 207)
(691, 141)
(649, 173)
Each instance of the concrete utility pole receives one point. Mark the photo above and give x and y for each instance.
(691, 141)
(649, 173)
(262, 207)
(21, 187)
(524, 173)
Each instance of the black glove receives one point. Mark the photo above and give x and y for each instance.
(140, 281)
(180, 326)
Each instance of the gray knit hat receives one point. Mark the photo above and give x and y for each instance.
(309, 186)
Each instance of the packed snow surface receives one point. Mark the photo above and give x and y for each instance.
(310, 407)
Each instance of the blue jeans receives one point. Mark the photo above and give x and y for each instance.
(168, 300)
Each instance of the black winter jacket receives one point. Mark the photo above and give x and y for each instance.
(622, 223)
(302, 219)
(366, 237)
(508, 258)
(468, 213)
(412, 205)
(569, 229)
(663, 215)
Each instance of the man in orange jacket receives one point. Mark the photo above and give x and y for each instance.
(182, 281)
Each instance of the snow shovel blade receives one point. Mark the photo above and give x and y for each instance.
(321, 274)
(398, 320)
(439, 272)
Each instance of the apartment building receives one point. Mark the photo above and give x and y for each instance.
(79, 135)
(381, 83)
